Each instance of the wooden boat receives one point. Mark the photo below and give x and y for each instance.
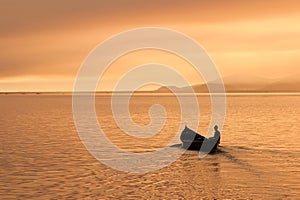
(191, 140)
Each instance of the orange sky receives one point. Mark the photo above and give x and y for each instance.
(43, 43)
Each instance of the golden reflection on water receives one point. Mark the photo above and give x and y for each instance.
(43, 157)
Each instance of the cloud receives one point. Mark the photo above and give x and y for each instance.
(20, 17)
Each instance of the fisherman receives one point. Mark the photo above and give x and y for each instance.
(217, 134)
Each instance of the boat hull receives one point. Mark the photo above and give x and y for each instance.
(196, 146)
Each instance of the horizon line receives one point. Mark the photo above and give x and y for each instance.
(153, 92)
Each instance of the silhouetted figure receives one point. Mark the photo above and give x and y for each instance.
(217, 134)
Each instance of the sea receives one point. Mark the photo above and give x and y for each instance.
(42, 156)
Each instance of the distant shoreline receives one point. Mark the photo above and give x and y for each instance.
(153, 93)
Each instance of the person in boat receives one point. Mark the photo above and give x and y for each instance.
(217, 134)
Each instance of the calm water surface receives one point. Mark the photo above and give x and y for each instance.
(42, 156)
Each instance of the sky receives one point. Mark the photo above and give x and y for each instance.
(44, 43)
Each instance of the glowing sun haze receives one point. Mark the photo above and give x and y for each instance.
(43, 43)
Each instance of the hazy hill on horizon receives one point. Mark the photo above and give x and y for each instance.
(246, 83)
(234, 83)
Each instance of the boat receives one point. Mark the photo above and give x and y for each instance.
(192, 140)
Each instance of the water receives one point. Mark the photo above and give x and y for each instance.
(42, 156)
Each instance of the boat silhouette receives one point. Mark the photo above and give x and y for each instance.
(192, 140)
